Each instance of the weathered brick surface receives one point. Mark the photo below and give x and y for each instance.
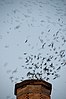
(33, 96)
(33, 91)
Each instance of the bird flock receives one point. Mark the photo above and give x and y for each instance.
(40, 66)
(45, 52)
(43, 64)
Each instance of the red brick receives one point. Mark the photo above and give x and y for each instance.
(33, 89)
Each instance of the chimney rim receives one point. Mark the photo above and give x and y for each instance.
(33, 82)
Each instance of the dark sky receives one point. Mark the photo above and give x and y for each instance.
(32, 42)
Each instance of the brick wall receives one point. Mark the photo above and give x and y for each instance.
(33, 89)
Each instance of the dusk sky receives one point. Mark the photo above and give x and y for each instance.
(32, 40)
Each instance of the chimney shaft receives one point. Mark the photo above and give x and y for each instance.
(33, 89)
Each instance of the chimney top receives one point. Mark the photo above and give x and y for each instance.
(33, 82)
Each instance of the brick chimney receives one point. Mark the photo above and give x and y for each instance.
(33, 89)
